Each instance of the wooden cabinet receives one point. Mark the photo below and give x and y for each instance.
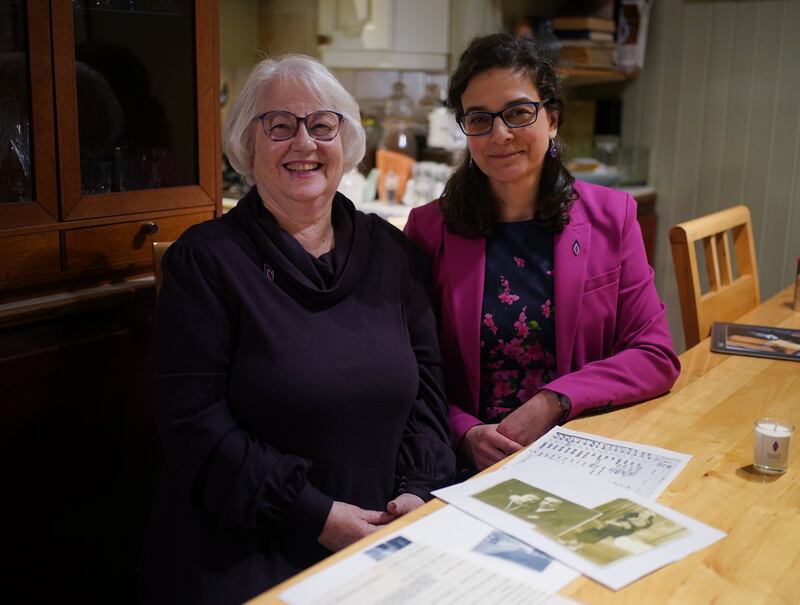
(110, 120)
(78, 450)
(109, 140)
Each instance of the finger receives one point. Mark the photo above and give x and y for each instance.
(494, 455)
(377, 517)
(503, 443)
(404, 504)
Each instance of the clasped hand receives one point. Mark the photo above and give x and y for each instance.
(486, 444)
(347, 523)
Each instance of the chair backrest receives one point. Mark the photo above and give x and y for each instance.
(730, 295)
(159, 248)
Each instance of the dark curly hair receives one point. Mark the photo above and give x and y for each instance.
(469, 206)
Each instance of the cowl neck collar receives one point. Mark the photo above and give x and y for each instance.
(314, 282)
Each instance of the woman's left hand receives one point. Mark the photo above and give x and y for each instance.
(532, 419)
(404, 503)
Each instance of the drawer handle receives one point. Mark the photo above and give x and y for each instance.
(150, 228)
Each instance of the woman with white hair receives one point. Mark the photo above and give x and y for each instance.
(297, 375)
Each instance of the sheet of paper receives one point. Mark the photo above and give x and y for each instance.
(451, 532)
(418, 574)
(643, 469)
(601, 530)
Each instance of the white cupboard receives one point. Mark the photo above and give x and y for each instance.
(384, 34)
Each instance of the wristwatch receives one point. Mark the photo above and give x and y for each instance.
(565, 404)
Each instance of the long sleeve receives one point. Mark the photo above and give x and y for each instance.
(643, 363)
(425, 460)
(240, 481)
(428, 236)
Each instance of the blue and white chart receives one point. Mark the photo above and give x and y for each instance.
(642, 469)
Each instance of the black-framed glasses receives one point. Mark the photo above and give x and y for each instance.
(282, 125)
(516, 115)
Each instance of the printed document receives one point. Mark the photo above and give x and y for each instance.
(606, 532)
(642, 469)
(449, 538)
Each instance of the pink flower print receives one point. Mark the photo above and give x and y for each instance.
(502, 383)
(530, 384)
(496, 411)
(546, 308)
(549, 361)
(505, 296)
(521, 325)
(520, 262)
(502, 389)
(513, 348)
(488, 321)
(535, 351)
(526, 358)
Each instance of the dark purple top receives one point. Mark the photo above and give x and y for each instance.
(518, 324)
(283, 382)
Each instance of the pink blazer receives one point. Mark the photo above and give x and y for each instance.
(613, 344)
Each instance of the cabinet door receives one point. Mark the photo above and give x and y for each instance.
(27, 151)
(137, 105)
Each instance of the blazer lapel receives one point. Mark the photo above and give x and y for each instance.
(571, 249)
(466, 263)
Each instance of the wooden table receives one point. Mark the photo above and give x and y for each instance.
(709, 414)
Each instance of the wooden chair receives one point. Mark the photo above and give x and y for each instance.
(729, 295)
(159, 248)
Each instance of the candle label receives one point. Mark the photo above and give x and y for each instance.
(771, 450)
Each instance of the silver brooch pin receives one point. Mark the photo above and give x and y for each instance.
(269, 272)
(576, 247)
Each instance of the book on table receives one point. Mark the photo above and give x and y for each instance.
(756, 341)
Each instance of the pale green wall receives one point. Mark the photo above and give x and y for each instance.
(238, 42)
(238, 29)
(718, 103)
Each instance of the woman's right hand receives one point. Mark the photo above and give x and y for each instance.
(347, 523)
(484, 445)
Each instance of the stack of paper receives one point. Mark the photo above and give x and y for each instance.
(571, 502)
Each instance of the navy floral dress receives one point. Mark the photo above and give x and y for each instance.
(517, 326)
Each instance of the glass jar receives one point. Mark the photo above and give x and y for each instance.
(398, 116)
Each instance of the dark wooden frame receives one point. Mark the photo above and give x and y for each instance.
(43, 209)
(74, 205)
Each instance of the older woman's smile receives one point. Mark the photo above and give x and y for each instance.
(302, 168)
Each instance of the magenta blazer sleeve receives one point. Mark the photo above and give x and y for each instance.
(613, 345)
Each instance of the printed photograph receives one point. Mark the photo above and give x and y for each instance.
(546, 512)
(624, 528)
(501, 545)
(384, 549)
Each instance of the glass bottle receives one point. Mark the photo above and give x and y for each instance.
(432, 100)
(398, 115)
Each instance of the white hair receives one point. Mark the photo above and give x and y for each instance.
(241, 126)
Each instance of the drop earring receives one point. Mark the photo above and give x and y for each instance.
(553, 151)
(471, 162)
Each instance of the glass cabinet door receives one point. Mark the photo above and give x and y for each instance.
(130, 105)
(27, 171)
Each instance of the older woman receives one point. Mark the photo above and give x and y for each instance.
(548, 307)
(297, 376)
